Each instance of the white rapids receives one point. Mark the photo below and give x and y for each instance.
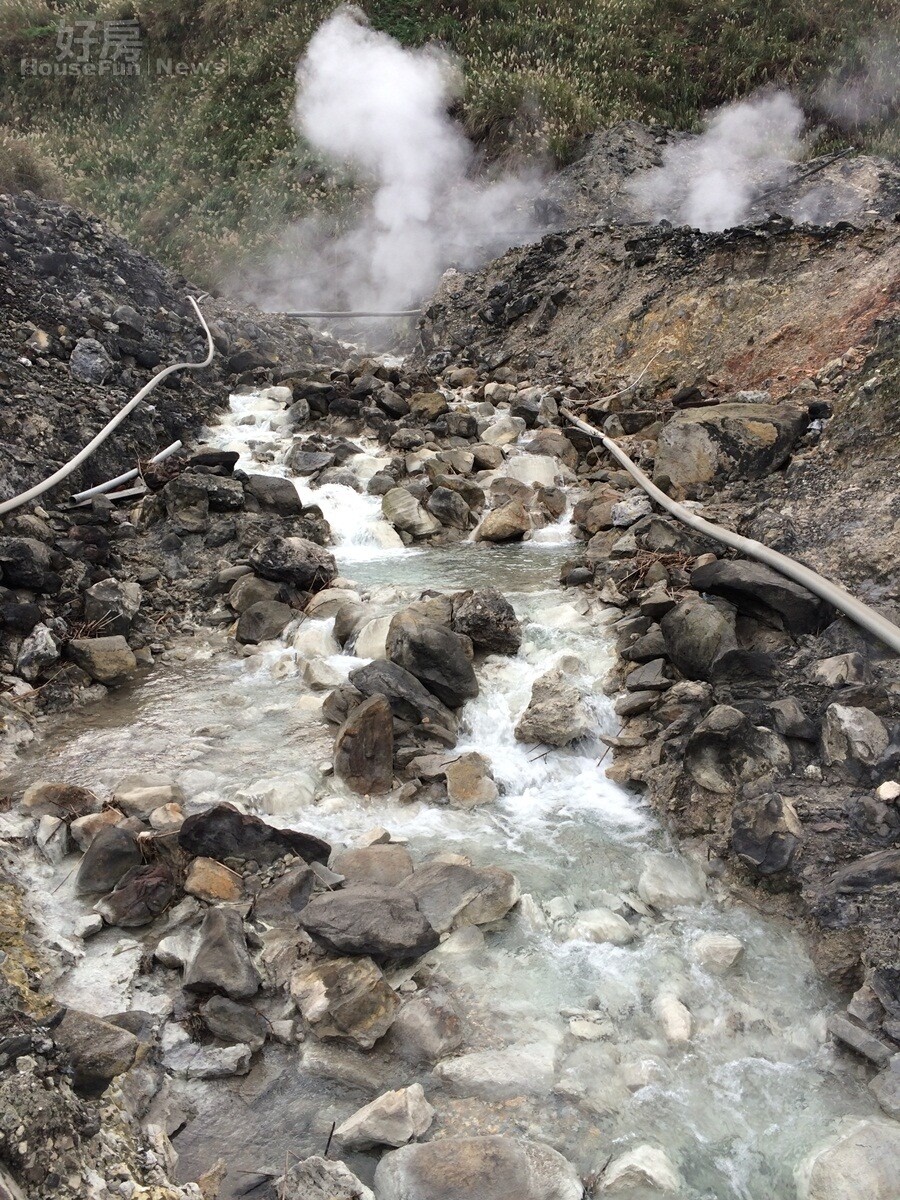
(586, 1049)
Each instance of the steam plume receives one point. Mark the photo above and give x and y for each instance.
(366, 103)
(710, 182)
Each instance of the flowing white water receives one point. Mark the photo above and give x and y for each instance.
(579, 1054)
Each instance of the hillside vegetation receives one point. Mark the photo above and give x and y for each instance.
(198, 168)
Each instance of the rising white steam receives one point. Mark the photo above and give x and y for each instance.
(365, 103)
(710, 182)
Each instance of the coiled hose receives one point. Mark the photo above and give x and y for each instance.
(74, 463)
(883, 629)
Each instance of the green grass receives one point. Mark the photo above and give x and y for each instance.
(200, 170)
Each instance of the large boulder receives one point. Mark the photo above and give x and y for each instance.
(346, 998)
(404, 512)
(384, 923)
(469, 780)
(140, 897)
(409, 700)
(263, 621)
(225, 832)
(697, 637)
(556, 714)
(97, 1051)
(393, 1119)
(491, 1167)
(294, 560)
(111, 855)
(861, 1161)
(488, 618)
(727, 441)
(364, 748)
(762, 592)
(667, 882)
(275, 493)
(454, 894)
(426, 1028)
(112, 605)
(508, 523)
(642, 1167)
(449, 508)
(235, 1023)
(727, 750)
(853, 737)
(435, 655)
(221, 962)
(108, 660)
(27, 563)
(765, 832)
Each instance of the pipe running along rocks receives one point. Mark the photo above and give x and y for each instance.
(66, 470)
(863, 616)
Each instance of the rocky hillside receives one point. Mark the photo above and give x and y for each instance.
(86, 321)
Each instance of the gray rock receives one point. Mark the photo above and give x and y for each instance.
(364, 748)
(863, 874)
(234, 1022)
(425, 1029)
(112, 853)
(860, 1039)
(187, 504)
(108, 660)
(26, 563)
(508, 523)
(409, 699)
(112, 605)
(469, 780)
(383, 923)
(852, 735)
(885, 1087)
(295, 560)
(97, 1050)
(454, 894)
(223, 832)
(39, 651)
(487, 617)
(763, 592)
(556, 714)
(393, 1119)
(89, 361)
(765, 832)
(404, 512)
(345, 998)
(491, 1168)
(275, 493)
(861, 1161)
(321, 1179)
(668, 882)
(250, 590)
(435, 655)
(697, 636)
(727, 750)
(449, 508)
(263, 621)
(286, 896)
(841, 669)
(140, 897)
(301, 461)
(728, 441)
(191, 1061)
(220, 962)
(387, 864)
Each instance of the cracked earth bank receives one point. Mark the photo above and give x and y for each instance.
(388, 767)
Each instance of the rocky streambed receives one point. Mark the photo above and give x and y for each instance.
(341, 896)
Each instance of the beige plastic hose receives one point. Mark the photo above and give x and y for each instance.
(65, 471)
(885, 630)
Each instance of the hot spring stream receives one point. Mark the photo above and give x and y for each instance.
(571, 1033)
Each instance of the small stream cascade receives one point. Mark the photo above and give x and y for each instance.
(592, 1046)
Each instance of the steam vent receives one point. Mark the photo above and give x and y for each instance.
(449, 601)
